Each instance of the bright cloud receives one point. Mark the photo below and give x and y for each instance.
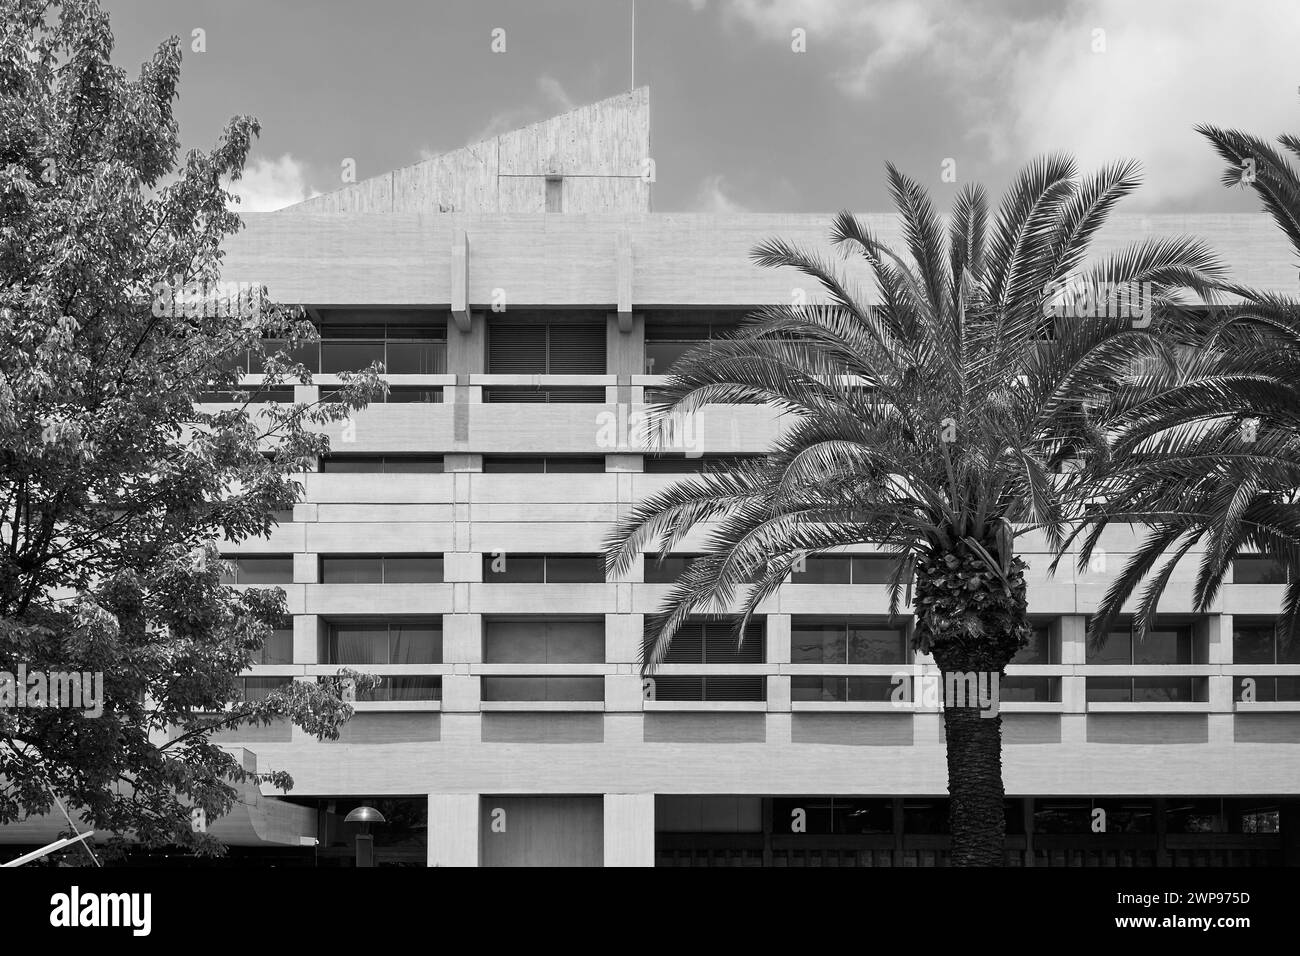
(712, 197)
(269, 184)
(1101, 79)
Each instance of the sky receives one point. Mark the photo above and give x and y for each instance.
(756, 105)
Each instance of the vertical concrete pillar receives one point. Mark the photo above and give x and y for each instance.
(629, 829)
(453, 829)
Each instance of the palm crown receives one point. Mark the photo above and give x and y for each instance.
(936, 423)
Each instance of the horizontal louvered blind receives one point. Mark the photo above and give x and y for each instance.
(560, 349)
(517, 349)
(720, 644)
(576, 349)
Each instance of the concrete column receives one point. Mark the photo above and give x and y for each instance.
(462, 638)
(306, 568)
(623, 634)
(306, 639)
(778, 640)
(453, 829)
(467, 351)
(629, 829)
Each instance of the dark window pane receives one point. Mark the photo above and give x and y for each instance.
(1171, 646)
(1041, 689)
(414, 393)
(350, 356)
(495, 464)
(1128, 816)
(360, 643)
(573, 569)
(869, 569)
(542, 688)
(1257, 571)
(822, 569)
(404, 688)
(877, 645)
(1253, 643)
(872, 688)
(665, 571)
(818, 644)
(1062, 816)
(415, 641)
(341, 464)
(1195, 816)
(818, 688)
(514, 568)
(1109, 689)
(355, 569)
(925, 816)
(424, 569)
(278, 648)
(1157, 689)
(259, 688)
(413, 465)
(416, 358)
(575, 466)
(1039, 650)
(264, 570)
(1117, 649)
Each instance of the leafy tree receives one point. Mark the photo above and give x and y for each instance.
(939, 425)
(114, 483)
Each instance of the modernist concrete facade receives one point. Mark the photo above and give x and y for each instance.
(527, 465)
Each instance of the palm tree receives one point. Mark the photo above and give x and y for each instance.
(938, 424)
(1214, 459)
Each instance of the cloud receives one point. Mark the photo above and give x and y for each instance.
(711, 197)
(269, 184)
(550, 88)
(556, 100)
(1027, 79)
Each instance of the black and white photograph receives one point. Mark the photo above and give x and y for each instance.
(649, 434)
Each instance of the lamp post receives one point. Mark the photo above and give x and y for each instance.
(365, 815)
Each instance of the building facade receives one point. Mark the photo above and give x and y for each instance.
(525, 302)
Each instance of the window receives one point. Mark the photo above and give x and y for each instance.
(845, 569)
(493, 688)
(534, 640)
(260, 688)
(838, 641)
(668, 569)
(260, 569)
(554, 194)
(518, 464)
(278, 647)
(715, 642)
(407, 342)
(1164, 644)
(1041, 649)
(534, 394)
(665, 344)
(539, 347)
(384, 641)
(403, 394)
(543, 568)
(1258, 641)
(680, 464)
(386, 464)
(826, 815)
(404, 688)
(818, 640)
(253, 395)
(1257, 570)
(381, 569)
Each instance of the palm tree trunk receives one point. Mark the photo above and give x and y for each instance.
(973, 619)
(976, 816)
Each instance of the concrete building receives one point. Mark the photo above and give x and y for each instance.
(525, 299)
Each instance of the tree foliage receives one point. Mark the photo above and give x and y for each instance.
(114, 482)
